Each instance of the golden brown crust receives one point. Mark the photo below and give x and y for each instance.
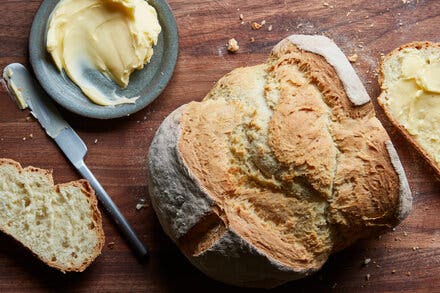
(91, 197)
(316, 140)
(427, 156)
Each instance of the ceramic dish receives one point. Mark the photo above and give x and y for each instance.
(147, 83)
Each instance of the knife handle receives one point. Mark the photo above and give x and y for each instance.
(137, 245)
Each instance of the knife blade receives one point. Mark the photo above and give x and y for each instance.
(28, 93)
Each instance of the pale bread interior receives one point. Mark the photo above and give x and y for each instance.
(408, 104)
(60, 224)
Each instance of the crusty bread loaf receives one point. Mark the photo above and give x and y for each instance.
(280, 165)
(60, 224)
(412, 108)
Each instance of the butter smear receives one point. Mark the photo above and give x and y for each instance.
(414, 98)
(115, 37)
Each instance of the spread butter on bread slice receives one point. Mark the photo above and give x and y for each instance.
(60, 224)
(410, 81)
(281, 164)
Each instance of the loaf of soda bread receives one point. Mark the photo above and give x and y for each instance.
(60, 224)
(279, 166)
(410, 80)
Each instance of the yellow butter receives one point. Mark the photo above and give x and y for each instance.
(429, 77)
(411, 64)
(414, 99)
(15, 92)
(115, 37)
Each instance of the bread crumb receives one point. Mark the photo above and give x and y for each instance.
(241, 17)
(353, 58)
(367, 277)
(31, 135)
(325, 4)
(252, 40)
(393, 271)
(367, 261)
(233, 45)
(263, 22)
(24, 138)
(111, 245)
(256, 25)
(405, 234)
(95, 141)
(140, 206)
(408, 274)
(270, 28)
(28, 118)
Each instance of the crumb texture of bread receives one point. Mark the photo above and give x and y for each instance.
(287, 170)
(410, 82)
(60, 224)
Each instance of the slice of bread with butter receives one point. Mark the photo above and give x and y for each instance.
(410, 82)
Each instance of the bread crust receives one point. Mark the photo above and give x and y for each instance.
(88, 192)
(389, 115)
(204, 205)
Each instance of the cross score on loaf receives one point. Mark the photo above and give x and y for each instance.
(280, 165)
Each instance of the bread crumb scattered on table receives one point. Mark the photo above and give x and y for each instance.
(367, 261)
(140, 206)
(256, 25)
(367, 277)
(353, 58)
(233, 45)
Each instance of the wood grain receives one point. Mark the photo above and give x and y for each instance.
(367, 28)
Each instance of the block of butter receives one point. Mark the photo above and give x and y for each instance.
(114, 37)
(410, 82)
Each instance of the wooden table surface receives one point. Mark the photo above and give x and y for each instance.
(118, 148)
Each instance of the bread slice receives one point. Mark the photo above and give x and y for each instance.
(60, 224)
(281, 165)
(410, 103)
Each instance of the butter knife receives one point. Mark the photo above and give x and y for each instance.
(27, 93)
